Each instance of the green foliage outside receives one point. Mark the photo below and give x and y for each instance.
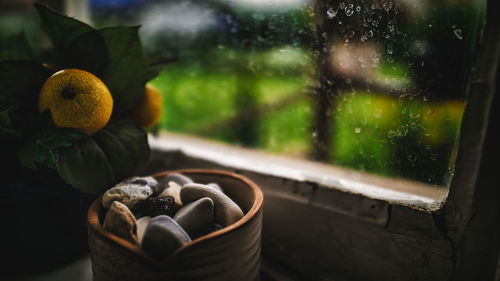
(407, 137)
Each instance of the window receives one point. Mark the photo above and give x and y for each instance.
(374, 86)
(359, 116)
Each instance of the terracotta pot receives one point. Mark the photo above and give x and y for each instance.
(232, 253)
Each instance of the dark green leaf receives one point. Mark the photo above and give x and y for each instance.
(126, 72)
(42, 145)
(118, 151)
(156, 65)
(16, 47)
(20, 82)
(5, 123)
(61, 29)
(87, 52)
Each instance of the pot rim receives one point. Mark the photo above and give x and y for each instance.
(93, 219)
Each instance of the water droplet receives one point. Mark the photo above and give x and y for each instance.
(358, 9)
(331, 13)
(375, 23)
(414, 115)
(349, 11)
(425, 98)
(363, 38)
(390, 51)
(369, 33)
(361, 59)
(357, 130)
(350, 33)
(458, 33)
(341, 5)
(387, 5)
(434, 156)
(412, 157)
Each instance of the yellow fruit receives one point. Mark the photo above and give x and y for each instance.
(149, 109)
(76, 99)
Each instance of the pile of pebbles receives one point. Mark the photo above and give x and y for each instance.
(161, 216)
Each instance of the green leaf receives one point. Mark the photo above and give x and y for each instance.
(61, 29)
(42, 145)
(5, 123)
(16, 47)
(20, 82)
(87, 52)
(118, 151)
(126, 72)
(156, 65)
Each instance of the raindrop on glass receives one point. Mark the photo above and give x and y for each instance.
(357, 130)
(331, 13)
(458, 33)
(349, 11)
(412, 157)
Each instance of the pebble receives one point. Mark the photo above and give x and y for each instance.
(226, 212)
(120, 221)
(180, 179)
(215, 186)
(142, 223)
(163, 236)
(155, 206)
(128, 194)
(196, 215)
(206, 230)
(173, 190)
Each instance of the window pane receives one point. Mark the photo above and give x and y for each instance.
(376, 86)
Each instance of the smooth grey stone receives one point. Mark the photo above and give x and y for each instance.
(128, 194)
(149, 181)
(119, 220)
(163, 236)
(142, 223)
(216, 186)
(173, 190)
(226, 212)
(179, 179)
(195, 215)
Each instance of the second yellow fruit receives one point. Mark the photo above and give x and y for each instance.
(76, 99)
(149, 109)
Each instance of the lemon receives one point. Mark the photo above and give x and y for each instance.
(149, 109)
(76, 99)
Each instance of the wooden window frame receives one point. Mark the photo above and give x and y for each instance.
(315, 229)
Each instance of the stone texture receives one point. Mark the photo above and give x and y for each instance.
(173, 189)
(155, 206)
(215, 186)
(128, 194)
(195, 215)
(205, 230)
(142, 223)
(226, 212)
(163, 236)
(180, 179)
(119, 220)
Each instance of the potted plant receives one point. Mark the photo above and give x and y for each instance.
(72, 124)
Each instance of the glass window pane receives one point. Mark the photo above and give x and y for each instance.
(370, 85)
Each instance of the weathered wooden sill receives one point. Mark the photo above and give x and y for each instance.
(326, 223)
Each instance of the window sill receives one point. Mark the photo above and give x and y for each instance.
(394, 191)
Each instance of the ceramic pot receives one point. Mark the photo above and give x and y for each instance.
(232, 253)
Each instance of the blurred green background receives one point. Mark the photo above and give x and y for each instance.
(253, 74)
